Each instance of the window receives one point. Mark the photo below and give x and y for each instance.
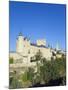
(29, 52)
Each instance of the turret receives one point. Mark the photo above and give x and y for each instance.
(19, 43)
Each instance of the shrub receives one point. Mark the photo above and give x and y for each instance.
(11, 60)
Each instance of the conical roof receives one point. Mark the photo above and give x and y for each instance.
(20, 34)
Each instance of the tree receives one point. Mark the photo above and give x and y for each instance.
(30, 74)
(27, 77)
(61, 66)
(14, 83)
(38, 58)
(11, 60)
(45, 71)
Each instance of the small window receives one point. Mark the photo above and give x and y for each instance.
(29, 52)
(31, 59)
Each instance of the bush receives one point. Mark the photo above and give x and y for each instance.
(11, 60)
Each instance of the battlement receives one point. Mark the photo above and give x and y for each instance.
(41, 42)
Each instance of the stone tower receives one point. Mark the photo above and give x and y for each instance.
(22, 44)
(19, 43)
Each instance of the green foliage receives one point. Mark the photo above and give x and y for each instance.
(61, 66)
(53, 69)
(38, 56)
(30, 74)
(27, 77)
(24, 76)
(14, 81)
(50, 70)
(11, 60)
(46, 71)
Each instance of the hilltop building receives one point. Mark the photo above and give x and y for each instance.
(25, 50)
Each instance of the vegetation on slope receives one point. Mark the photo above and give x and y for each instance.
(49, 73)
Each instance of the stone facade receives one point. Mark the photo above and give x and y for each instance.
(25, 50)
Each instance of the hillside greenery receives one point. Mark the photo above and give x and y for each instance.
(10, 60)
(49, 73)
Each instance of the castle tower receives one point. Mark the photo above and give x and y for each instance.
(19, 43)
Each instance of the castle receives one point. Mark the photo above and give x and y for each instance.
(25, 50)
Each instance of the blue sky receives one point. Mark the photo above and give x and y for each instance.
(37, 21)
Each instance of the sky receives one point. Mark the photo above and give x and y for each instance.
(37, 21)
